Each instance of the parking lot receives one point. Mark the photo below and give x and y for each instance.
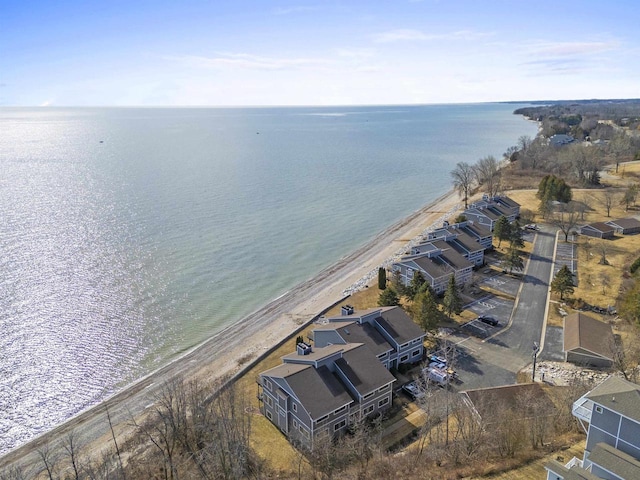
(491, 305)
(566, 254)
(502, 283)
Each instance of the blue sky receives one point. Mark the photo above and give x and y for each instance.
(325, 52)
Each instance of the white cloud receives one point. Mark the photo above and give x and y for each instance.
(295, 9)
(249, 62)
(401, 35)
(357, 53)
(564, 49)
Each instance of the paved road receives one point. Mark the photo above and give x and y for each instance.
(528, 317)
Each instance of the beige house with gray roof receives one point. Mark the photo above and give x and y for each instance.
(587, 341)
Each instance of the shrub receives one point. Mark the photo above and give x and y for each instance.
(635, 265)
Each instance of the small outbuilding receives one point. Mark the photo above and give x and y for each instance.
(587, 341)
(598, 230)
(625, 226)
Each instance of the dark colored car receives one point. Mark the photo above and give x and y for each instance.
(488, 320)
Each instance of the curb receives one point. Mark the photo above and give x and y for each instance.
(543, 334)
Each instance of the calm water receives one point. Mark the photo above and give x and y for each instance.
(128, 236)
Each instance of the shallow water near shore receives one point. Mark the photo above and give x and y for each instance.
(130, 235)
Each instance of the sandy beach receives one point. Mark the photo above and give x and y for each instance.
(254, 335)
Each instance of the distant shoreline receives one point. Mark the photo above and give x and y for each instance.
(216, 357)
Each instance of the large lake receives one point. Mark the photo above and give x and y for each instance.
(129, 235)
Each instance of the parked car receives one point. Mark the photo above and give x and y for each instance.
(413, 390)
(532, 226)
(438, 359)
(488, 320)
(437, 365)
(438, 376)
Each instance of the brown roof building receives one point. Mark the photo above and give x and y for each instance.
(625, 226)
(587, 341)
(598, 230)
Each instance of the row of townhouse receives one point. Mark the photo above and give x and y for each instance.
(610, 415)
(319, 390)
(452, 250)
(487, 211)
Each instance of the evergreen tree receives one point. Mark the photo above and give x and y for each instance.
(554, 188)
(563, 282)
(416, 284)
(425, 311)
(452, 302)
(502, 229)
(515, 235)
(299, 339)
(388, 298)
(382, 278)
(512, 260)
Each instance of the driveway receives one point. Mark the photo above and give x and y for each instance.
(528, 316)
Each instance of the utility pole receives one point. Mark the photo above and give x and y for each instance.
(536, 349)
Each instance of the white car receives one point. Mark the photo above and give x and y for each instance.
(413, 390)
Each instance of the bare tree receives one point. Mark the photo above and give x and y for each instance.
(72, 448)
(49, 459)
(566, 219)
(524, 142)
(605, 281)
(619, 146)
(607, 201)
(604, 249)
(587, 248)
(625, 354)
(487, 173)
(463, 177)
(115, 442)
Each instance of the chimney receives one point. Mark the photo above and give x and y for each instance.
(346, 310)
(303, 349)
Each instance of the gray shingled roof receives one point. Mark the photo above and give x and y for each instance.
(399, 325)
(468, 242)
(479, 230)
(451, 256)
(625, 223)
(575, 473)
(435, 267)
(616, 461)
(364, 372)
(319, 390)
(367, 334)
(600, 226)
(618, 395)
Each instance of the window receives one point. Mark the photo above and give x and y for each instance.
(267, 384)
(383, 402)
(295, 424)
(598, 409)
(368, 410)
(369, 395)
(339, 425)
(269, 416)
(269, 400)
(322, 419)
(404, 358)
(416, 353)
(341, 409)
(382, 389)
(295, 407)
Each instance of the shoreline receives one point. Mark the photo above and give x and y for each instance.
(217, 357)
